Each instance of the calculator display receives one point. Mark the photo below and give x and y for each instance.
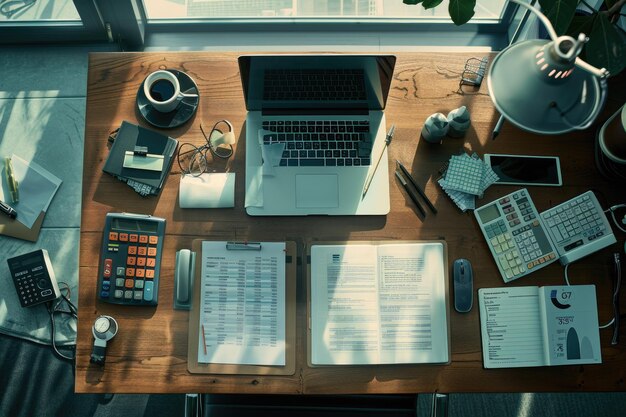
(134, 225)
(489, 213)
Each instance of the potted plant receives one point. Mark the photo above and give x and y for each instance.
(607, 39)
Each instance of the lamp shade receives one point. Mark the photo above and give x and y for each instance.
(541, 95)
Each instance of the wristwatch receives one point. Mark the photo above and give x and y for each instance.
(103, 329)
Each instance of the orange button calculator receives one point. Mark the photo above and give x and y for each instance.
(131, 259)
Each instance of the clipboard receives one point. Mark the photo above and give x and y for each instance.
(290, 321)
(374, 243)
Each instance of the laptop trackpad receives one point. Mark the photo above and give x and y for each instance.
(314, 191)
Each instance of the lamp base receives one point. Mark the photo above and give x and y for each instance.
(610, 147)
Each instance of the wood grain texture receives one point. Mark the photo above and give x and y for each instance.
(149, 353)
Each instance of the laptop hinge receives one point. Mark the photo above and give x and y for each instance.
(314, 112)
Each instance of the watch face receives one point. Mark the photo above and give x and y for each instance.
(101, 325)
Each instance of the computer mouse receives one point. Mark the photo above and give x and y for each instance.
(463, 282)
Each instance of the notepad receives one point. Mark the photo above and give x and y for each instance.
(539, 326)
(379, 304)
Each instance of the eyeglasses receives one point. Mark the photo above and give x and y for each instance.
(192, 159)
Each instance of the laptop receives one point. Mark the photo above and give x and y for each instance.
(315, 129)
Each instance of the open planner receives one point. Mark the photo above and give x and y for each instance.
(243, 315)
(378, 303)
(539, 326)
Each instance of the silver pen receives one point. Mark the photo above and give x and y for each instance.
(369, 179)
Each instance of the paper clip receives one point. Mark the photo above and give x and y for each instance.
(243, 246)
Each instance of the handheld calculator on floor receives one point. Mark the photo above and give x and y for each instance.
(130, 260)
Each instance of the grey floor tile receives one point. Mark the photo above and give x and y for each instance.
(606, 404)
(49, 132)
(43, 72)
(33, 323)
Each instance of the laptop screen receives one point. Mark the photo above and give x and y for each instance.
(330, 82)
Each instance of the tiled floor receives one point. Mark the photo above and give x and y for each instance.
(42, 113)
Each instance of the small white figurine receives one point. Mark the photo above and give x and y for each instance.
(459, 120)
(435, 128)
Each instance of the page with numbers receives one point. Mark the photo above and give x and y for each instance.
(242, 304)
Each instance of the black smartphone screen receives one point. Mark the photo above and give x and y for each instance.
(514, 169)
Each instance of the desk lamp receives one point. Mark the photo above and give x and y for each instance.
(543, 87)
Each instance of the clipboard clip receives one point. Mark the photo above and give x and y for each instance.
(243, 245)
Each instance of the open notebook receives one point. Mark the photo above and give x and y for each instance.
(378, 303)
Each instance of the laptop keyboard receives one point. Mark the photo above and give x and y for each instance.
(321, 142)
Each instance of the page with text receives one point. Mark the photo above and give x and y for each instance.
(378, 304)
(511, 328)
(344, 305)
(412, 303)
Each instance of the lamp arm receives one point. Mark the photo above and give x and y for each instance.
(601, 73)
(541, 17)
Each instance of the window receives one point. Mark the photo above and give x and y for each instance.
(307, 9)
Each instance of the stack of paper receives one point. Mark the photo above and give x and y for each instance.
(36, 188)
(465, 178)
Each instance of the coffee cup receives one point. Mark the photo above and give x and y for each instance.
(162, 90)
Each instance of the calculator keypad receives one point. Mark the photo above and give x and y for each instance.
(141, 254)
(578, 227)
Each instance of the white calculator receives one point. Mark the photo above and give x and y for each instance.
(578, 227)
(515, 235)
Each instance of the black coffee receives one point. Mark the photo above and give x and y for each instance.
(162, 90)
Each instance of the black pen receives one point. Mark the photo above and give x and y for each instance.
(411, 193)
(417, 187)
(8, 210)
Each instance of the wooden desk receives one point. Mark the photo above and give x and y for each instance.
(150, 352)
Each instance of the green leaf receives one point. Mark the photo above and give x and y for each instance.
(429, 4)
(580, 24)
(606, 47)
(559, 12)
(412, 2)
(461, 11)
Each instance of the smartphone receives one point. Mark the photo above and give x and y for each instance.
(526, 169)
